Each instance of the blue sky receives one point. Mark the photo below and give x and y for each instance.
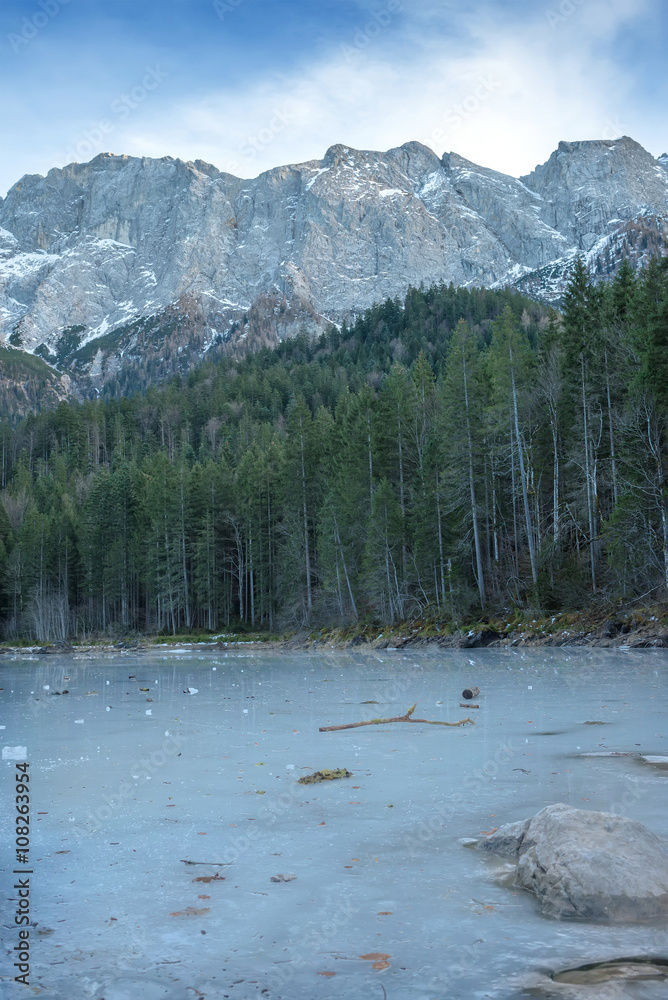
(250, 84)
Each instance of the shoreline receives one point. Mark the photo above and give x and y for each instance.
(646, 628)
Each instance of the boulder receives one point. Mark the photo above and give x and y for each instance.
(470, 639)
(587, 865)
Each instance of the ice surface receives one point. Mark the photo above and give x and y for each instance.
(119, 802)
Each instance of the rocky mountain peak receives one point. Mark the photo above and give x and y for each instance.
(338, 155)
(115, 248)
(587, 186)
(415, 160)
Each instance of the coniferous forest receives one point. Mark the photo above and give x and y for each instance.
(461, 454)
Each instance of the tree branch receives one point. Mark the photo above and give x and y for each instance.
(397, 718)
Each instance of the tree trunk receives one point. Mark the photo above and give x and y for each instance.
(270, 569)
(345, 568)
(368, 445)
(474, 508)
(513, 488)
(251, 578)
(555, 479)
(184, 564)
(440, 539)
(613, 462)
(590, 506)
(307, 547)
(525, 495)
(402, 499)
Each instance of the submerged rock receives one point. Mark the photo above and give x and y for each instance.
(625, 969)
(614, 979)
(587, 865)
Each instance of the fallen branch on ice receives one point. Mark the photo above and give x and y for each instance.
(397, 718)
(217, 864)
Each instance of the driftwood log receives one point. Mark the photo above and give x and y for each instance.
(468, 694)
(408, 717)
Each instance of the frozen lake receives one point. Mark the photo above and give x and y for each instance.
(126, 783)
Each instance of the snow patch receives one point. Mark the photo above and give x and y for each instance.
(309, 184)
(432, 184)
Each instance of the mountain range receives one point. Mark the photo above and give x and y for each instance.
(125, 264)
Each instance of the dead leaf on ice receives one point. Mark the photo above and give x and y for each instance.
(375, 956)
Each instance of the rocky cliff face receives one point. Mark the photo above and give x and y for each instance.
(587, 188)
(123, 259)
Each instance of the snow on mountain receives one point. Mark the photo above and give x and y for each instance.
(104, 262)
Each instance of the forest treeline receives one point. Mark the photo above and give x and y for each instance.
(460, 453)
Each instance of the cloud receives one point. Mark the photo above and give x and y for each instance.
(499, 91)
(498, 82)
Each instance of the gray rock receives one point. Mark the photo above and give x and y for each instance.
(506, 841)
(587, 186)
(467, 640)
(587, 865)
(622, 984)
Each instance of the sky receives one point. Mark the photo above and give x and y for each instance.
(251, 84)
